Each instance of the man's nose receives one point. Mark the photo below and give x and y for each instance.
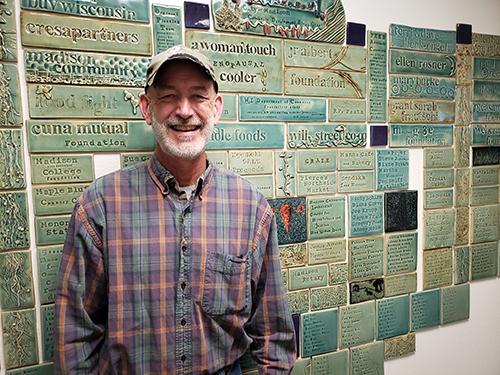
(184, 108)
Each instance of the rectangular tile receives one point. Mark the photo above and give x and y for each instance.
(366, 257)
(357, 324)
(487, 135)
(485, 45)
(393, 317)
(167, 27)
(399, 346)
(462, 226)
(265, 184)
(326, 135)
(43, 369)
(285, 173)
(339, 273)
(486, 112)
(439, 228)
(12, 172)
(420, 135)
(318, 332)
(423, 87)
(48, 315)
(298, 301)
(401, 210)
(130, 159)
(393, 169)
(489, 155)
(485, 176)
(462, 264)
(401, 253)
(350, 182)
(49, 259)
(486, 68)
(327, 251)
(425, 63)
(326, 217)
(247, 136)
(251, 162)
(291, 217)
(317, 183)
(485, 90)
(439, 198)
(481, 196)
(279, 108)
(463, 106)
(302, 365)
(230, 110)
(411, 111)
(11, 94)
(462, 187)
(485, 225)
(366, 214)
(425, 309)
(464, 65)
(439, 178)
(62, 168)
(54, 31)
(484, 260)
(368, 359)
(377, 76)
(438, 268)
(316, 160)
(356, 159)
(51, 229)
(14, 220)
(328, 297)
(455, 303)
(335, 362)
(22, 348)
(400, 284)
(293, 255)
(366, 290)
(16, 280)
(346, 110)
(422, 39)
(306, 277)
(438, 157)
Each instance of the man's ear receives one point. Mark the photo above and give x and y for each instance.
(144, 103)
(218, 105)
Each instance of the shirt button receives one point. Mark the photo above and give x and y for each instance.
(184, 247)
(183, 285)
(183, 322)
(183, 358)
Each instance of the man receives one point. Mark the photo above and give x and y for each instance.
(172, 266)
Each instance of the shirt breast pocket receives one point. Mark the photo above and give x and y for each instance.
(226, 288)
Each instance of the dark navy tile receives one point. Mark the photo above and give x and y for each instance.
(291, 219)
(400, 210)
(196, 15)
(464, 33)
(296, 326)
(356, 34)
(485, 155)
(378, 135)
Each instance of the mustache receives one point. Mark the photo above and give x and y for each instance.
(174, 120)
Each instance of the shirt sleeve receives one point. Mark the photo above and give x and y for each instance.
(270, 325)
(81, 298)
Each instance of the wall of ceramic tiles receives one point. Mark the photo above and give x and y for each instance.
(373, 128)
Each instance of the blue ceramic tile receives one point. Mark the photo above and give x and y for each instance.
(393, 316)
(464, 33)
(393, 169)
(296, 327)
(291, 217)
(378, 135)
(366, 213)
(425, 309)
(319, 332)
(196, 15)
(356, 34)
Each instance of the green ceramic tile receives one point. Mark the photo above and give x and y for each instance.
(89, 136)
(357, 324)
(326, 135)
(265, 184)
(442, 198)
(43, 369)
(399, 346)
(227, 136)
(51, 229)
(306, 277)
(439, 228)
(317, 183)
(455, 303)
(279, 108)
(485, 176)
(485, 225)
(16, 280)
(242, 63)
(377, 76)
(400, 284)
(251, 162)
(339, 273)
(439, 178)
(84, 34)
(318, 332)
(49, 259)
(462, 147)
(419, 39)
(229, 112)
(324, 83)
(366, 214)
(401, 253)
(84, 68)
(219, 158)
(393, 169)
(167, 27)
(485, 90)
(350, 182)
(488, 135)
(463, 105)
(438, 157)
(48, 332)
(11, 95)
(130, 159)
(347, 110)
(327, 251)
(366, 290)
(356, 159)
(434, 64)
(284, 275)
(302, 367)
(285, 173)
(393, 317)
(420, 135)
(464, 65)
(484, 260)
(60, 101)
(438, 268)
(326, 217)
(368, 359)
(12, 174)
(423, 87)
(462, 264)
(462, 185)
(293, 255)
(328, 297)
(298, 301)
(481, 196)
(14, 227)
(332, 363)
(486, 68)
(485, 45)
(9, 30)
(316, 160)
(421, 112)
(425, 309)
(56, 199)
(60, 168)
(486, 112)
(366, 257)
(461, 226)
(19, 338)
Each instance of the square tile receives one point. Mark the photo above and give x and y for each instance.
(484, 260)
(328, 297)
(366, 290)
(399, 346)
(293, 255)
(356, 34)
(393, 317)
(425, 309)
(455, 303)
(400, 284)
(338, 273)
(400, 208)
(401, 253)
(332, 363)
(366, 257)
(318, 332)
(393, 169)
(357, 324)
(196, 15)
(378, 135)
(326, 217)
(368, 359)
(438, 268)
(366, 214)
(464, 33)
(291, 217)
(298, 301)
(485, 223)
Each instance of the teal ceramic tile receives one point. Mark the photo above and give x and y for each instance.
(366, 214)
(464, 65)
(307, 277)
(377, 76)
(16, 280)
(284, 275)
(219, 158)
(462, 264)
(485, 176)
(291, 218)
(12, 173)
(241, 63)
(51, 229)
(481, 196)
(318, 332)
(399, 346)
(393, 317)
(487, 135)
(486, 112)
(425, 309)
(327, 251)
(485, 225)
(409, 111)
(167, 27)
(279, 108)
(326, 217)
(461, 226)
(463, 105)
(439, 178)
(353, 110)
(366, 290)
(328, 297)
(48, 332)
(130, 159)
(420, 39)
(368, 359)
(265, 184)
(19, 338)
(9, 31)
(293, 255)
(298, 301)
(251, 162)
(227, 136)
(60, 168)
(439, 226)
(339, 273)
(326, 135)
(455, 303)
(442, 198)
(14, 227)
(357, 324)
(425, 63)
(438, 157)
(484, 45)
(324, 83)
(84, 68)
(286, 175)
(420, 135)
(89, 136)
(486, 68)
(356, 159)
(484, 260)
(485, 90)
(43, 369)
(302, 367)
(438, 268)
(49, 260)
(229, 112)
(85, 34)
(423, 87)
(61, 101)
(317, 183)
(462, 185)
(393, 169)
(366, 257)
(316, 160)
(11, 95)
(401, 253)
(350, 182)
(332, 363)
(400, 284)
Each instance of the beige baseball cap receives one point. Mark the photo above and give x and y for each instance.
(179, 52)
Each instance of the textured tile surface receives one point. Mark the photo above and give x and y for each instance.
(9, 31)
(293, 255)
(10, 98)
(291, 217)
(298, 301)
(338, 273)
(400, 209)
(399, 346)
(12, 173)
(14, 226)
(357, 324)
(328, 297)
(19, 338)
(462, 264)
(485, 155)
(16, 280)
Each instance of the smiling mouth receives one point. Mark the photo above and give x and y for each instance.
(185, 128)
